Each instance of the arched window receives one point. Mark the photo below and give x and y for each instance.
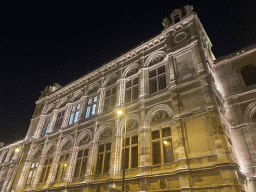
(47, 165)
(248, 73)
(4, 157)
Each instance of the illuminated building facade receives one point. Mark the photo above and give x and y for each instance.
(190, 121)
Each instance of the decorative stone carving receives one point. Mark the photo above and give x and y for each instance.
(127, 188)
(107, 132)
(180, 37)
(162, 184)
(85, 140)
(159, 116)
(156, 59)
(131, 124)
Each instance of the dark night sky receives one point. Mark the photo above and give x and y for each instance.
(41, 44)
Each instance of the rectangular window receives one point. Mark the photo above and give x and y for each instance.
(80, 168)
(161, 143)
(132, 90)
(131, 152)
(46, 170)
(91, 107)
(74, 114)
(46, 125)
(62, 168)
(103, 160)
(59, 120)
(110, 99)
(32, 172)
(157, 79)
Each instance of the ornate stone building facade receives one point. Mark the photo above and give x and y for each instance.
(190, 121)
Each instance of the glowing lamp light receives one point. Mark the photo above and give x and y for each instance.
(17, 150)
(119, 112)
(65, 164)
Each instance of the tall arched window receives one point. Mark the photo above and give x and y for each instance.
(33, 169)
(248, 73)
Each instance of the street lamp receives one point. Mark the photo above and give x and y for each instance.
(17, 150)
(120, 111)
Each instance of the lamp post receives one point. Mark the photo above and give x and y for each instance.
(17, 150)
(120, 112)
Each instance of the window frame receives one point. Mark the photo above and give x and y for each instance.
(157, 77)
(91, 105)
(104, 154)
(31, 177)
(46, 125)
(130, 146)
(132, 89)
(47, 167)
(161, 140)
(76, 113)
(110, 97)
(80, 175)
(62, 166)
(59, 120)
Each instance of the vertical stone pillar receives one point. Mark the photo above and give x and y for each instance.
(120, 91)
(82, 109)
(71, 166)
(39, 127)
(66, 116)
(52, 123)
(39, 171)
(101, 100)
(143, 82)
(92, 160)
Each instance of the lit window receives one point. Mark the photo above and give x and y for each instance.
(46, 125)
(62, 168)
(59, 120)
(103, 159)
(161, 139)
(46, 170)
(131, 147)
(248, 73)
(132, 90)
(91, 106)
(110, 99)
(32, 172)
(81, 162)
(157, 79)
(74, 114)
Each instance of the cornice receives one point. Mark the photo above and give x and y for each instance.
(235, 55)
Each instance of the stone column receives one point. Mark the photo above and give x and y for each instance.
(101, 93)
(66, 116)
(91, 162)
(71, 166)
(52, 123)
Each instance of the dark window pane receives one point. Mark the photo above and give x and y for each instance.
(108, 146)
(127, 95)
(113, 91)
(106, 163)
(134, 157)
(128, 84)
(152, 73)
(155, 134)
(166, 132)
(135, 92)
(248, 73)
(135, 81)
(107, 93)
(86, 152)
(101, 148)
(42, 175)
(99, 164)
(80, 154)
(83, 169)
(152, 86)
(162, 82)
(77, 168)
(135, 139)
(156, 153)
(106, 104)
(161, 70)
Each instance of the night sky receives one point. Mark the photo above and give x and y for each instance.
(41, 44)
